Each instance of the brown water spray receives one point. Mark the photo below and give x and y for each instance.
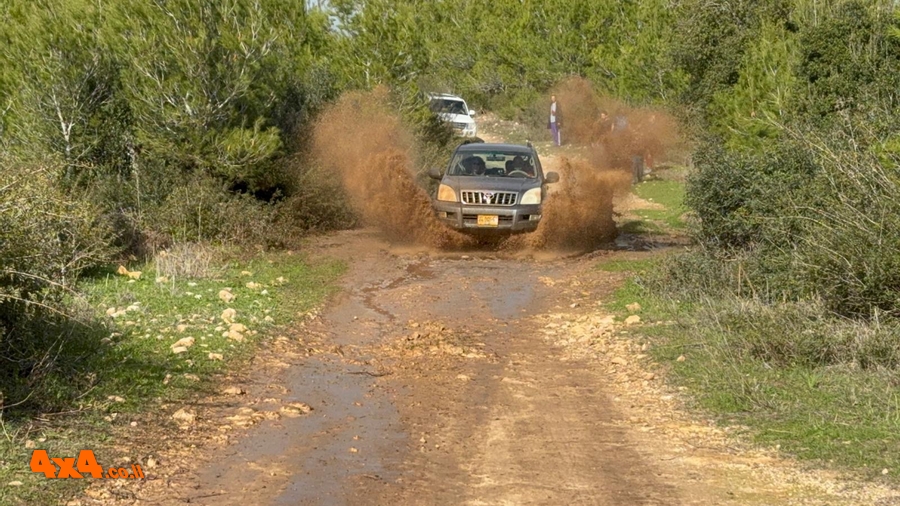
(362, 141)
(611, 136)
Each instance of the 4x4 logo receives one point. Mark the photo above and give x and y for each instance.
(71, 467)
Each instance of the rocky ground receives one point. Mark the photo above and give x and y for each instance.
(466, 378)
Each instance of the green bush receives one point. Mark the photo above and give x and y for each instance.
(741, 196)
(47, 239)
(818, 216)
(205, 210)
(316, 201)
(848, 235)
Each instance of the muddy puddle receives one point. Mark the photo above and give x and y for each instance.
(355, 433)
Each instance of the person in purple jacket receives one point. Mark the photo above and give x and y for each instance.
(555, 122)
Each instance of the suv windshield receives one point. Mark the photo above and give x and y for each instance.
(440, 105)
(493, 164)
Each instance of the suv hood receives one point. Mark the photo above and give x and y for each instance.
(491, 183)
(456, 118)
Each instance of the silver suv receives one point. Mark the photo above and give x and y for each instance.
(454, 111)
(492, 188)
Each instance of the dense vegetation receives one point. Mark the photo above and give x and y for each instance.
(129, 125)
(802, 180)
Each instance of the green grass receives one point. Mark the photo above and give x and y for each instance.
(667, 193)
(626, 265)
(788, 376)
(838, 415)
(165, 312)
(131, 367)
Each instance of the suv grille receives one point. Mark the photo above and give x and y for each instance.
(459, 126)
(489, 198)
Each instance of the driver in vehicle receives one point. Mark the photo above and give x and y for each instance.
(520, 165)
(474, 166)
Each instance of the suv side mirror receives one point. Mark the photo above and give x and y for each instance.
(435, 173)
(551, 177)
(471, 113)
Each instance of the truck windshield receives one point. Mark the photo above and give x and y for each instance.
(493, 164)
(440, 105)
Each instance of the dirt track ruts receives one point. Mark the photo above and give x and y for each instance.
(470, 379)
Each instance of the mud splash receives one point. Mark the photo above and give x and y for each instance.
(578, 216)
(366, 144)
(615, 133)
(362, 140)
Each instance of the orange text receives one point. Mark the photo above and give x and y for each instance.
(84, 464)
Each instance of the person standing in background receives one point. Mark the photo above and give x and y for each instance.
(555, 120)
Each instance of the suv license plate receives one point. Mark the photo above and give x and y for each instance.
(488, 220)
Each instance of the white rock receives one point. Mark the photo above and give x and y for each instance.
(184, 416)
(184, 342)
(229, 315)
(295, 409)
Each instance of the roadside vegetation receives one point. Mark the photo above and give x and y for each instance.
(143, 342)
(788, 303)
(790, 374)
(132, 130)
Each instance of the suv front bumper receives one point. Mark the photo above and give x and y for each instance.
(520, 218)
(466, 132)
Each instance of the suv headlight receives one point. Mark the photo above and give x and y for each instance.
(532, 196)
(446, 194)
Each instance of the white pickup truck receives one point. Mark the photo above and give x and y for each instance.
(454, 111)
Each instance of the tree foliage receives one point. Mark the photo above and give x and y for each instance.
(188, 119)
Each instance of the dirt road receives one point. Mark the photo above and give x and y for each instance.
(467, 379)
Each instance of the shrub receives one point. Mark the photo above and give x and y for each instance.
(47, 239)
(317, 201)
(800, 334)
(848, 227)
(818, 216)
(739, 196)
